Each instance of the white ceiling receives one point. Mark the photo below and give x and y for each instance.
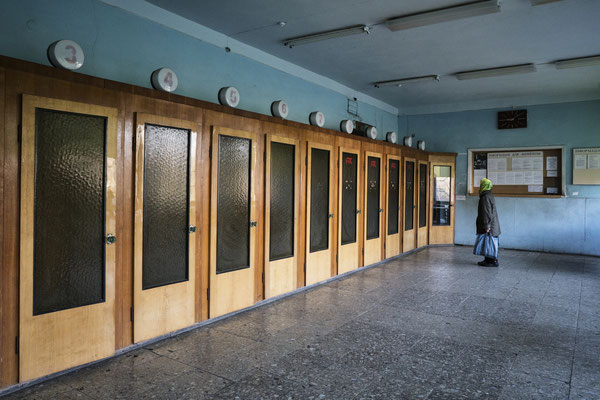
(518, 34)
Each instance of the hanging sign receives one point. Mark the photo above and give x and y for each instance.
(391, 137)
(66, 54)
(280, 109)
(347, 126)
(317, 119)
(229, 96)
(164, 79)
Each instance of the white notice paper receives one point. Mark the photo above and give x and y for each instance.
(528, 178)
(527, 163)
(478, 175)
(580, 161)
(551, 174)
(500, 178)
(593, 161)
(493, 176)
(551, 163)
(552, 190)
(510, 178)
(538, 177)
(517, 164)
(538, 163)
(535, 188)
(519, 179)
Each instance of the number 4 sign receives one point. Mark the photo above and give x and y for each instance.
(66, 54)
(164, 79)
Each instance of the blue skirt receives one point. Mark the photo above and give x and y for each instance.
(486, 245)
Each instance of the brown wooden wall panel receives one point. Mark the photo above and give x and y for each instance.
(19, 77)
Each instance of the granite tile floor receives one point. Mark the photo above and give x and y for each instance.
(428, 325)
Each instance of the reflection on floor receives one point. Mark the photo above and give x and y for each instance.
(430, 325)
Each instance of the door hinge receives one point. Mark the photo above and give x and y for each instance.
(263, 278)
(306, 161)
(363, 251)
(131, 314)
(208, 294)
(19, 133)
(336, 258)
(17, 344)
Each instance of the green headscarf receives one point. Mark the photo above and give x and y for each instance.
(484, 185)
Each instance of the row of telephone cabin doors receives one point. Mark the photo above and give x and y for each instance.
(68, 170)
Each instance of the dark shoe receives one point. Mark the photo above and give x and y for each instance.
(483, 263)
(488, 264)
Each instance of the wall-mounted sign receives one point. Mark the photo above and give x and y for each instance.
(164, 79)
(391, 137)
(280, 109)
(421, 144)
(371, 132)
(317, 119)
(66, 54)
(407, 141)
(229, 96)
(347, 126)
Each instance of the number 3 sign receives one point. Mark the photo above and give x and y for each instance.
(164, 79)
(66, 54)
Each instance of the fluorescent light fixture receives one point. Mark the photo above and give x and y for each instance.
(460, 11)
(578, 62)
(400, 82)
(492, 72)
(317, 37)
(541, 2)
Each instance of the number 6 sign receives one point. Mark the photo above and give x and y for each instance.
(164, 79)
(66, 54)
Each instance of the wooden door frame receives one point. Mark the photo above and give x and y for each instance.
(426, 227)
(309, 146)
(269, 138)
(233, 276)
(437, 160)
(341, 256)
(59, 340)
(158, 311)
(381, 238)
(398, 158)
(405, 160)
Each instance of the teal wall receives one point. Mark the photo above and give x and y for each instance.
(570, 224)
(123, 47)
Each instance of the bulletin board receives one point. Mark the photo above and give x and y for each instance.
(521, 172)
(586, 166)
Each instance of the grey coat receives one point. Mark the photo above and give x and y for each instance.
(487, 216)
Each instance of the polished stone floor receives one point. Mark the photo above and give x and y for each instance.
(429, 325)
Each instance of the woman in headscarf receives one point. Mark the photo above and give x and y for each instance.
(487, 218)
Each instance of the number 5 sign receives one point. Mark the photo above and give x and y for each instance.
(229, 96)
(66, 54)
(164, 79)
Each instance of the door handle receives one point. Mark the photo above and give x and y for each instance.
(381, 210)
(110, 238)
(330, 216)
(192, 229)
(414, 206)
(357, 211)
(253, 224)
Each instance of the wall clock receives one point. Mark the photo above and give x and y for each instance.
(512, 119)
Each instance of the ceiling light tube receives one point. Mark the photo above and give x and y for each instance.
(400, 82)
(466, 10)
(541, 2)
(317, 37)
(492, 72)
(578, 62)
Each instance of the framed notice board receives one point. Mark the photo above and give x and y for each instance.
(586, 166)
(518, 172)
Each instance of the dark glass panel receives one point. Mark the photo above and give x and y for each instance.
(349, 179)
(442, 175)
(373, 175)
(409, 191)
(282, 201)
(233, 204)
(166, 199)
(422, 195)
(393, 196)
(319, 200)
(69, 210)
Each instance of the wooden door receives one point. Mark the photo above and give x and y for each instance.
(348, 209)
(443, 188)
(422, 204)
(410, 207)
(319, 214)
(393, 206)
(67, 236)
(233, 220)
(373, 206)
(282, 205)
(165, 226)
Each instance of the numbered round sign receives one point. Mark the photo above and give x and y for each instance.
(66, 54)
(280, 109)
(371, 132)
(347, 126)
(408, 141)
(421, 145)
(164, 79)
(391, 137)
(317, 118)
(229, 96)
